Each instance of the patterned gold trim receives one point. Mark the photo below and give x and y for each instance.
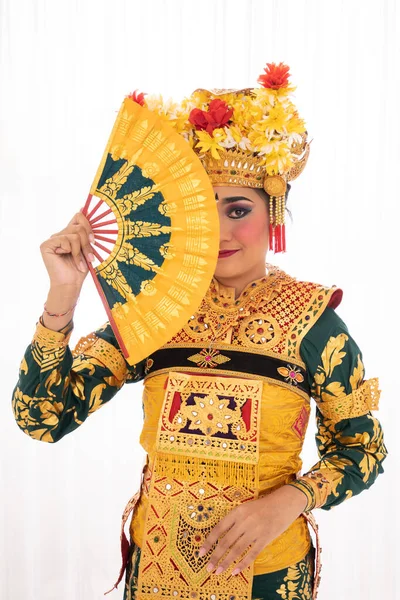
(190, 369)
(232, 348)
(356, 404)
(235, 167)
(111, 358)
(49, 339)
(318, 487)
(316, 306)
(308, 490)
(318, 550)
(48, 347)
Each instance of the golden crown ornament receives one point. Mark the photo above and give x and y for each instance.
(252, 137)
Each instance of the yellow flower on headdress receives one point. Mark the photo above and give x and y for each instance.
(279, 160)
(246, 112)
(211, 143)
(276, 119)
(295, 125)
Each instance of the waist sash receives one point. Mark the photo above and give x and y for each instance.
(206, 463)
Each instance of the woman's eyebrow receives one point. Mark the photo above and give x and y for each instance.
(230, 199)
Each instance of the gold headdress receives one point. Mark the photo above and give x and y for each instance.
(250, 137)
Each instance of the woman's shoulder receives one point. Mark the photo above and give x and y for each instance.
(306, 291)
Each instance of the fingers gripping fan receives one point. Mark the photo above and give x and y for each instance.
(156, 229)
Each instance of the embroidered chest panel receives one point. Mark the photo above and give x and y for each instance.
(206, 463)
(270, 317)
(259, 334)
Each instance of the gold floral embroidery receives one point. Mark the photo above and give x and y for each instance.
(210, 414)
(23, 405)
(291, 374)
(356, 404)
(209, 358)
(108, 356)
(298, 582)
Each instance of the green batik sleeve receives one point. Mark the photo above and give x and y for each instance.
(58, 389)
(349, 438)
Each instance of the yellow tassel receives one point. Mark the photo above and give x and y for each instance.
(193, 468)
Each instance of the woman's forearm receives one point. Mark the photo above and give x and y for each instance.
(60, 301)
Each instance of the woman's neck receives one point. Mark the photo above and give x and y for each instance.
(240, 282)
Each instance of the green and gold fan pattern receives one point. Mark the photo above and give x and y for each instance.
(156, 230)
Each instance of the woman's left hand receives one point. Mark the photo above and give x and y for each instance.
(253, 524)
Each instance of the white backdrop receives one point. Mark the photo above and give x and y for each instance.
(65, 68)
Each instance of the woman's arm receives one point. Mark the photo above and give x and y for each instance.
(349, 439)
(58, 389)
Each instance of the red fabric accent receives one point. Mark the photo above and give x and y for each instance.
(124, 541)
(336, 298)
(300, 424)
(271, 237)
(246, 411)
(278, 234)
(176, 403)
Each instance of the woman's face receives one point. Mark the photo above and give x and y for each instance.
(244, 221)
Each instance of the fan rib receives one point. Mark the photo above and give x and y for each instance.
(94, 210)
(106, 212)
(97, 255)
(104, 223)
(104, 239)
(87, 204)
(102, 247)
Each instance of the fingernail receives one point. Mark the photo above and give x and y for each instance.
(82, 266)
(235, 571)
(210, 567)
(91, 237)
(219, 570)
(202, 552)
(91, 257)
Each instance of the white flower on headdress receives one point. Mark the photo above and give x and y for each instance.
(294, 138)
(229, 141)
(271, 146)
(245, 143)
(156, 103)
(235, 138)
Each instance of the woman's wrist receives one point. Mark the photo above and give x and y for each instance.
(291, 497)
(59, 307)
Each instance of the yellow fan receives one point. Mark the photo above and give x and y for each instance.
(156, 230)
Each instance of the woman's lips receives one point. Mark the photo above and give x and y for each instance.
(225, 253)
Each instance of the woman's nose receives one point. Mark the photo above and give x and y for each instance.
(225, 230)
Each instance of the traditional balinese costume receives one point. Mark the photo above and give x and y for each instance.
(227, 399)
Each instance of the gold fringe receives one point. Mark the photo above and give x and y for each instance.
(193, 468)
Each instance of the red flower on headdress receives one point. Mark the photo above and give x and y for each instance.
(217, 115)
(139, 98)
(276, 76)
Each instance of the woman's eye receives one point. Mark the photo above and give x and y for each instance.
(238, 213)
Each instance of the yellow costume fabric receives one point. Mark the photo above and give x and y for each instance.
(281, 333)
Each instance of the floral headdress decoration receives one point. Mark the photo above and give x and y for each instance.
(250, 137)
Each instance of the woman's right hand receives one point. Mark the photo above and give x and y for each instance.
(64, 254)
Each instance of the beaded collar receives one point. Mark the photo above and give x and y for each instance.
(220, 310)
(222, 298)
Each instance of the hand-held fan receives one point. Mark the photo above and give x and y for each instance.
(156, 228)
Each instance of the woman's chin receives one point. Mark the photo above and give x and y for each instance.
(224, 269)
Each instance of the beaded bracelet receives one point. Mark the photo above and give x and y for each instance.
(60, 314)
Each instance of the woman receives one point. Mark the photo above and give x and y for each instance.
(222, 509)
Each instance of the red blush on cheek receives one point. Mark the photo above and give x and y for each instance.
(249, 232)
